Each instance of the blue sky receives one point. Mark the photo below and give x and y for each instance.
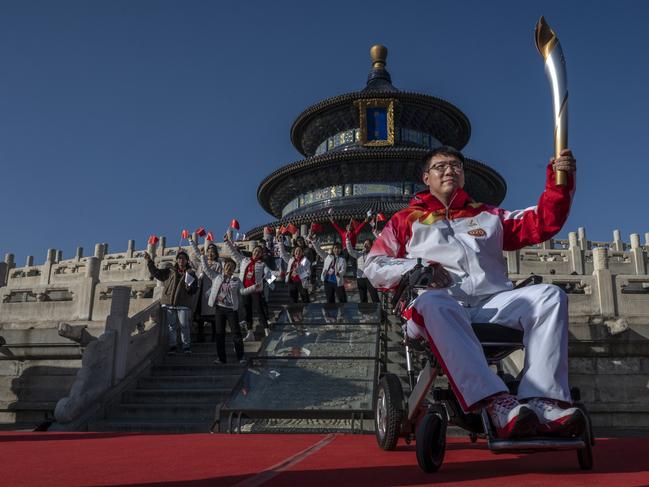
(119, 119)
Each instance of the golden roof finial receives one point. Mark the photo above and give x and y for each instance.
(379, 54)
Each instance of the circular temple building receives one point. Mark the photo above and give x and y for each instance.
(362, 151)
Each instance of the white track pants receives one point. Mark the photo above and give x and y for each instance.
(541, 311)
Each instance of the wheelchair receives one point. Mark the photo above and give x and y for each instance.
(427, 411)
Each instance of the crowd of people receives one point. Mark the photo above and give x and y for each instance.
(226, 298)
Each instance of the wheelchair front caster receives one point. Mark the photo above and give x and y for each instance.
(388, 411)
(431, 442)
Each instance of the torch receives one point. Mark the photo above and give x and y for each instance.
(549, 47)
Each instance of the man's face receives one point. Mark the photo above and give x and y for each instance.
(298, 253)
(182, 262)
(336, 250)
(367, 245)
(444, 175)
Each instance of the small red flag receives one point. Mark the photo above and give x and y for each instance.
(153, 240)
(268, 230)
(380, 217)
(184, 234)
(201, 231)
(234, 224)
(292, 229)
(282, 229)
(210, 236)
(316, 228)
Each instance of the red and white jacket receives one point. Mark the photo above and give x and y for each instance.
(467, 238)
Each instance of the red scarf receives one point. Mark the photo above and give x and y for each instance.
(249, 276)
(295, 277)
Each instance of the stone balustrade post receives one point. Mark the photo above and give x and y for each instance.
(637, 255)
(581, 237)
(105, 246)
(161, 245)
(87, 294)
(5, 267)
(130, 248)
(576, 254)
(79, 254)
(99, 251)
(304, 230)
(117, 321)
(617, 241)
(47, 266)
(548, 244)
(646, 240)
(59, 256)
(29, 261)
(513, 261)
(603, 282)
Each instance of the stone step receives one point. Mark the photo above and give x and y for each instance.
(188, 382)
(612, 388)
(21, 426)
(210, 347)
(203, 412)
(162, 426)
(166, 396)
(196, 358)
(197, 369)
(35, 393)
(28, 380)
(35, 351)
(36, 366)
(26, 411)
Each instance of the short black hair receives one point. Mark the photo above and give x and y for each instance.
(337, 244)
(228, 260)
(215, 247)
(444, 150)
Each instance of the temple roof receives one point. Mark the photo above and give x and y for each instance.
(415, 111)
(366, 165)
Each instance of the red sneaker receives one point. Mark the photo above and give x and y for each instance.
(555, 420)
(511, 418)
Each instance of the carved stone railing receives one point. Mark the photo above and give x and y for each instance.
(126, 348)
(35, 297)
(81, 288)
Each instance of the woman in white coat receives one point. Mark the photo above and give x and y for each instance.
(223, 298)
(298, 271)
(333, 272)
(253, 273)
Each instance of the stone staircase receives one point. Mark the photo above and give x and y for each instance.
(180, 395)
(37, 368)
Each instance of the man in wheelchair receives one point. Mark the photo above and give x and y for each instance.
(462, 242)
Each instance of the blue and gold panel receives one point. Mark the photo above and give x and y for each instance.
(377, 123)
(376, 117)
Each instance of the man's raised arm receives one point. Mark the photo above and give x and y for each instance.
(539, 223)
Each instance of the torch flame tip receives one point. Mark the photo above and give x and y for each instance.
(545, 37)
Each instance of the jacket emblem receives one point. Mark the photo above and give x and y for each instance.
(478, 232)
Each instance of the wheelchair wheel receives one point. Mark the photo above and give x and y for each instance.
(388, 411)
(431, 442)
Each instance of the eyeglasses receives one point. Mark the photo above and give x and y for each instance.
(441, 167)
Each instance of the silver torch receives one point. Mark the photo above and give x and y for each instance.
(549, 47)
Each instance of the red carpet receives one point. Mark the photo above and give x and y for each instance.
(84, 459)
